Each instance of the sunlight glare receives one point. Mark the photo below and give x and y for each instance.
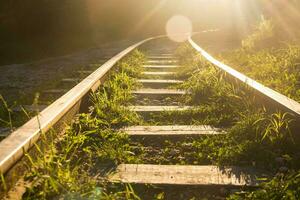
(179, 28)
(148, 16)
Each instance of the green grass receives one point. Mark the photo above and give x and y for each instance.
(255, 137)
(276, 65)
(280, 187)
(73, 166)
(276, 68)
(266, 59)
(250, 127)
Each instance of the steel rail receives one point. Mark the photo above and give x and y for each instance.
(13, 148)
(282, 100)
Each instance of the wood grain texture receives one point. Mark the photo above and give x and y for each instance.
(159, 91)
(185, 175)
(158, 108)
(171, 130)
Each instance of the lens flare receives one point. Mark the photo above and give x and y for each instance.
(179, 28)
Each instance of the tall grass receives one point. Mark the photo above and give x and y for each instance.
(74, 165)
(269, 61)
(254, 136)
(280, 187)
(5, 113)
(275, 64)
(262, 35)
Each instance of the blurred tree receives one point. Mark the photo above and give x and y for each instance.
(42, 27)
(34, 29)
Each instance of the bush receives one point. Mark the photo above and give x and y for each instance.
(262, 35)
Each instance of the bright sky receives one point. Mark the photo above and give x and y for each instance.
(153, 16)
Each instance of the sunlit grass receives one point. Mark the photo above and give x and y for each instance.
(250, 129)
(268, 61)
(74, 165)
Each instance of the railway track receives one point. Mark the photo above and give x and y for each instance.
(159, 80)
(199, 175)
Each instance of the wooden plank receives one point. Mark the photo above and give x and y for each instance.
(160, 57)
(205, 175)
(159, 92)
(161, 66)
(159, 108)
(158, 83)
(171, 130)
(159, 73)
(161, 62)
(170, 81)
(160, 54)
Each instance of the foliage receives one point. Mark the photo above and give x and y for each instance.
(53, 172)
(278, 127)
(268, 60)
(263, 32)
(254, 137)
(189, 60)
(209, 89)
(109, 101)
(278, 69)
(281, 187)
(241, 145)
(73, 166)
(5, 113)
(275, 68)
(132, 64)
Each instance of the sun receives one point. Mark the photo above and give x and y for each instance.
(179, 28)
